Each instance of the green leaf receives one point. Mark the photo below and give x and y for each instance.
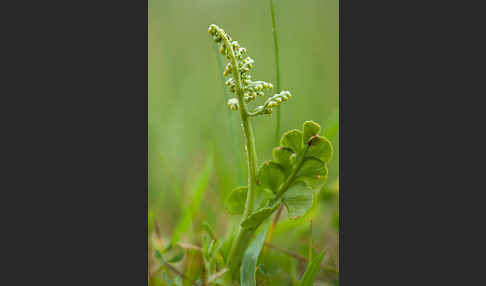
(250, 258)
(310, 129)
(313, 172)
(208, 247)
(227, 242)
(199, 188)
(292, 139)
(262, 197)
(235, 203)
(178, 257)
(174, 252)
(298, 199)
(311, 271)
(310, 167)
(205, 225)
(258, 217)
(320, 148)
(283, 156)
(270, 176)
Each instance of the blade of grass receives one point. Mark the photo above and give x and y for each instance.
(277, 70)
(311, 271)
(277, 128)
(248, 265)
(198, 190)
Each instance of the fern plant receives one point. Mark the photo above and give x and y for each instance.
(298, 166)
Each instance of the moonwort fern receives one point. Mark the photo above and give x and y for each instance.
(298, 166)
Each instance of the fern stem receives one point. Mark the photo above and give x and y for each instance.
(231, 122)
(247, 130)
(277, 69)
(243, 237)
(237, 251)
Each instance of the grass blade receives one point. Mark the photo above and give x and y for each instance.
(277, 69)
(311, 271)
(200, 186)
(248, 265)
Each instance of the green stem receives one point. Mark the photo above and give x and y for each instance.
(277, 70)
(237, 251)
(243, 237)
(247, 130)
(231, 122)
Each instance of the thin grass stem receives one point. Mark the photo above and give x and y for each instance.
(277, 69)
(277, 128)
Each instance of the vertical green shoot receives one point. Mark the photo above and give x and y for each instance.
(311, 271)
(231, 122)
(250, 259)
(277, 128)
(277, 70)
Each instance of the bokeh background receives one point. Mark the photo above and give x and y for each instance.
(190, 126)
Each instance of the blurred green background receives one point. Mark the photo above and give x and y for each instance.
(189, 121)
